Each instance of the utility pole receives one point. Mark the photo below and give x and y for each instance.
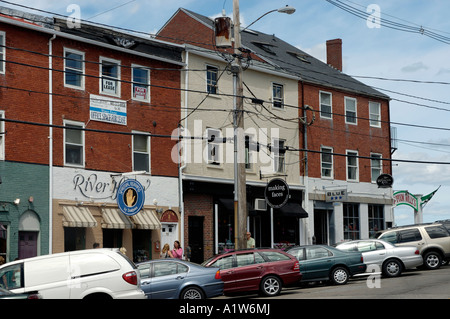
(240, 189)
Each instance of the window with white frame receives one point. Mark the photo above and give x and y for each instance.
(352, 166)
(212, 75)
(110, 77)
(2, 51)
(376, 166)
(2, 136)
(214, 146)
(277, 96)
(141, 152)
(325, 105)
(141, 83)
(73, 69)
(326, 162)
(350, 110)
(279, 153)
(73, 143)
(375, 114)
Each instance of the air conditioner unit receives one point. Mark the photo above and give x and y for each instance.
(260, 204)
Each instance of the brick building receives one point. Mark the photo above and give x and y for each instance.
(342, 137)
(83, 107)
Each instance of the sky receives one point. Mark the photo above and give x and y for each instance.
(419, 110)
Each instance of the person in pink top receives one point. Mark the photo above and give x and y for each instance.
(177, 251)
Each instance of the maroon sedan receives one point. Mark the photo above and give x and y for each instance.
(264, 270)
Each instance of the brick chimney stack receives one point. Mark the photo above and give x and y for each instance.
(334, 53)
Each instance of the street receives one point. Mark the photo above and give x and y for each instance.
(415, 284)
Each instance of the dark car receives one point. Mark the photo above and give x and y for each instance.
(325, 263)
(179, 279)
(264, 270)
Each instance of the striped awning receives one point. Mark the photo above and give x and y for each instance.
(146, 219)
(113, 218)
(74, 216)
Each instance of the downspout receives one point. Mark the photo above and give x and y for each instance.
(182, 163)
(50, 148)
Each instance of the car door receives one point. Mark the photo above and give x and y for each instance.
(317, 263)
(226, 264)
(373, 252)
(248, 271)
(165, 280)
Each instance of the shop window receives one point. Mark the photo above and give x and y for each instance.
(74, 238)
(351, 221)
(376, 219)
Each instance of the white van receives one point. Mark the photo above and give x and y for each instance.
(94, 273)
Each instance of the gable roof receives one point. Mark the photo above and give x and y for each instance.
(286, 57)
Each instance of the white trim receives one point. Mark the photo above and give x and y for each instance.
(83, 68)
(118, 79)
(83, 155)
(137, 66)
(378, 125)
(331, 105)
(332, 162)
(2, 136)
(346, 98)
(148, 148)
(3, 48)
(347, 166)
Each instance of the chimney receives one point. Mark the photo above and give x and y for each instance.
(334, 53)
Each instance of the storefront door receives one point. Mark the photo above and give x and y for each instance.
(195, 224)
(321, 218)
(27, 244)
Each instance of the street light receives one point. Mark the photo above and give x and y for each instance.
(240, 196)
(286, 9)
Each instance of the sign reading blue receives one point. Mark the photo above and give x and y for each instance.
(130, 197)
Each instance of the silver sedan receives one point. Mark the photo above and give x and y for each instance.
(383, 256)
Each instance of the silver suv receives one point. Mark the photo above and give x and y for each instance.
(432, 240)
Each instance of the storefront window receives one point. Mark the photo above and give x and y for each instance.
(226, 233)
(3, 239)
(142, 241)
(351, 221)
(74, 238)
(376, 219)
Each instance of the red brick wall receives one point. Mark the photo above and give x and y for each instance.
(103, 151)
(341, 137)
(200, 205)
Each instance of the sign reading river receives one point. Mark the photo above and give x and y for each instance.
(276, 193)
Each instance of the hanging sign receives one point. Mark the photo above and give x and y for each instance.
(276, 193)
(406, 198)
(385, 181)
(130, 197)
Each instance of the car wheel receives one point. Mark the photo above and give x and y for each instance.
(392, 268)
(339, 276)
(270, 286)
(192, 293)
(432, 260)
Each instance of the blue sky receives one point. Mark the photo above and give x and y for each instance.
(374, 52)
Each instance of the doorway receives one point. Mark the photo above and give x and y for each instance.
(321, 226)
(27, 244)
(195, 241)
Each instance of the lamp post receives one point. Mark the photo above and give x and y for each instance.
(240, 191)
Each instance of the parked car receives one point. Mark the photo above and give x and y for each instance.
(179, 279)
(326, 263)
(432, 240)
(83, 274)
(383, 256)
(265, 270)
(6, 294)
